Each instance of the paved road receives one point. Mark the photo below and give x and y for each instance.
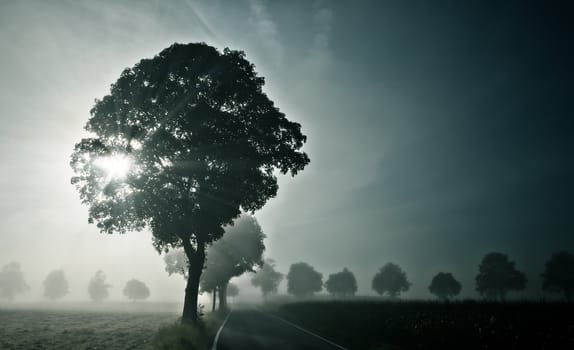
(255, 330)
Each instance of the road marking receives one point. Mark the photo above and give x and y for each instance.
(304, 330)
(214, 347)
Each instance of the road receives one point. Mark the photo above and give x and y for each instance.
(255, 330)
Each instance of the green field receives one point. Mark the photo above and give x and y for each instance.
(108, 326)
(433, 325)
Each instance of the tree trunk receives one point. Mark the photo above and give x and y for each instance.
(213, 299)
(223, 296)
(196, 260)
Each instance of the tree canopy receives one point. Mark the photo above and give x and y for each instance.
(239, 250)
(342, 284)
(391, 279)
(182, 144)
(497, 276)
(303, 280)
(266, 278)
(136, 290)
(55, 285)
(558, 275)
(445, 286)
(98, 288)
(232, 290)
(12, 281)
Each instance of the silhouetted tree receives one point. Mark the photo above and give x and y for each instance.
(136, 290)
(497, 276)
(267, 279)
(98, 288)
(176, 262)
(240, 249)
(12, 281)
(558, 276)
(303, 280)
(342, 284)
(202, 142)
(391, 279)
(232, 290)
(55, 285)
(445, 286)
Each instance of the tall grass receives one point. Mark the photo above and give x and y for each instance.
(176, 336)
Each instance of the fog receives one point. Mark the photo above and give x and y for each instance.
(429, 146)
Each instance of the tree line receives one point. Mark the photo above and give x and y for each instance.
(56, 285)
(497, 276)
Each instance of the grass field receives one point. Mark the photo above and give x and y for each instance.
(432, 325)
(69, 326)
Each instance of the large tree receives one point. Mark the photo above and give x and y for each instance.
(497, 276)
(391, 279)
(444, 286)
(266, 278)
(558, 276)
(182, 144)
(342, 284)
(12, 281)
(55, 285)
(303, 280)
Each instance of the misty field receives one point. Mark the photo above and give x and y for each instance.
(372, 325)
(114, 326)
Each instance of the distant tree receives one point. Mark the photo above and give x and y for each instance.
(391, 279)
(55, 285)
(497, 276)
(136, 290)
(98, 288)
(239, 251)
(267, 279)
(232, 290)
(558, 276)
(445, 286)
(303, 280)
(342, 284)
(183, 143)
(12, 281)
(176, 262)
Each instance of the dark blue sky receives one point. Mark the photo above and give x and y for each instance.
(438, 130)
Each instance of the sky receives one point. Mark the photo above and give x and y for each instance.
(438, 131)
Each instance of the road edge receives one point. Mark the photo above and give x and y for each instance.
(214, 346)
(303, 330)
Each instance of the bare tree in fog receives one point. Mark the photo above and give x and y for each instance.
(342, 284)
(55, 285)
(176, 262)
(98, 288)
(558, 276)
(182, 144)
(267, 279)
(12, 281)
(240, 249)
(497, 276)
(136, 290)
(391, 279)
(303, 280)
(444, 286)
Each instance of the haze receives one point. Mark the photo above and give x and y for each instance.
(436, 134)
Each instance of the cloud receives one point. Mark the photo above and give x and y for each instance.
(323, 18)
(267, 31)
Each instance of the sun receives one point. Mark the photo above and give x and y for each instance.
(116, 167)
